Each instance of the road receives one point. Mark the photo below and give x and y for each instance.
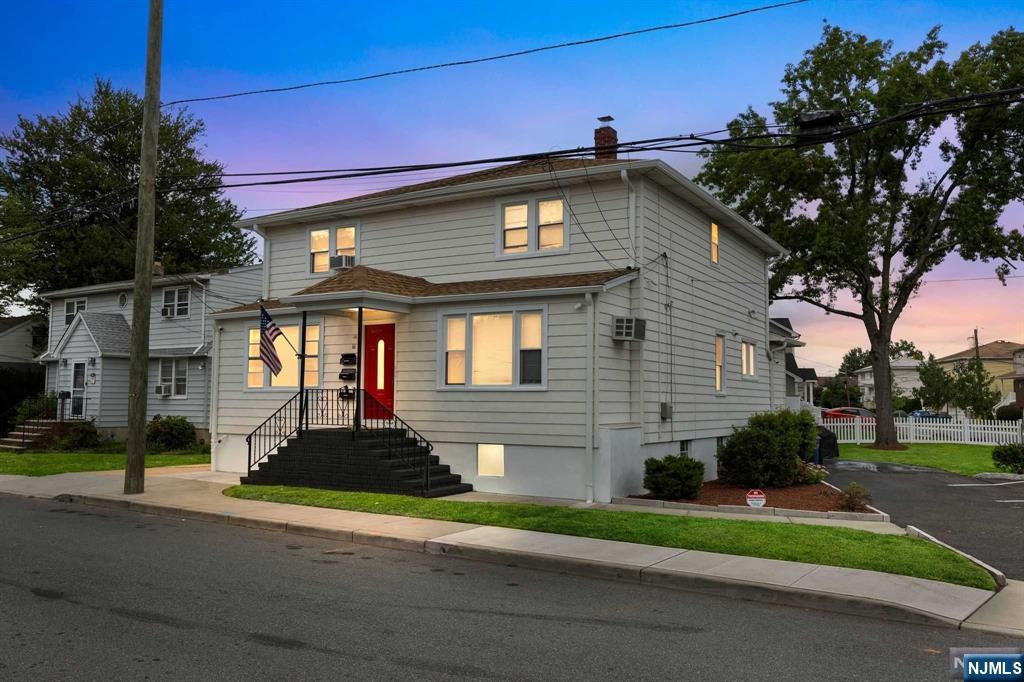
(91, 593)
(964, 512)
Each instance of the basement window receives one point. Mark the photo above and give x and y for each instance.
(490, 460)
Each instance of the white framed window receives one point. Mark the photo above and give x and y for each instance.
(719, 363)
(174, 375)
(259, 376)
(493, 349)
(748, 362)
(330, 241)
(176, 299)
(533, 226)
(72, 307)
(684, 448)
(714, 242)
(490, 459)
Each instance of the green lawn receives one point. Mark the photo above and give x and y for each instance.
(832, 546)
(49, 463)
(966, 460)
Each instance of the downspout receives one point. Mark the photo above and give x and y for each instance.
(638, 299)
(591, 388)
(214, 398)
(768, 337)
(202, 334)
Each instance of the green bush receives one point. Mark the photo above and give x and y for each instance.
(809, 473)
(767, 452)
(854, 498)
(76, 435)
(170, 433)
(1009, 457)
(1010, 413)
(674, 477)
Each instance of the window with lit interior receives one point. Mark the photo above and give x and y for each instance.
(494, 349)
(258, 376)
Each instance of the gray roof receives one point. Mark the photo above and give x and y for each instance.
(110, 330)
(181, 351)
(8, 323)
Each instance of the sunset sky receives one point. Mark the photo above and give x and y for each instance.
(672, 82)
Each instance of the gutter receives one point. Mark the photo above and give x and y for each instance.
(589, 464)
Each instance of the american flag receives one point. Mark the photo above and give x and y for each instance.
(269, 331)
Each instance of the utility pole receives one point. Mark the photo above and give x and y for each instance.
(138, 369)
(977, 350)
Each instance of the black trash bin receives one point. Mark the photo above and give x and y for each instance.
(828, 444)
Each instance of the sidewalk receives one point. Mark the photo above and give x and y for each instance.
(196, 494)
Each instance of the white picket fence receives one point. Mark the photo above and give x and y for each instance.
(972, 432)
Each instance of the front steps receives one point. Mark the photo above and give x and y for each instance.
(333, 459)
(27, 436)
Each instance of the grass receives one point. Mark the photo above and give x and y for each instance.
(49, 463)
(827, 545)
(965, 460)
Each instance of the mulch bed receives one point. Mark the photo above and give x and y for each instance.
(813, 497)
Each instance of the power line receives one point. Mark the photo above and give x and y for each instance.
(572, 214)
(481, 60)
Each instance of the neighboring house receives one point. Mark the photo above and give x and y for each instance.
(16, 342)
(792, 385)
(904, 377)
(997, 358)
(1014, 378)
(494, 306)
(90, 333)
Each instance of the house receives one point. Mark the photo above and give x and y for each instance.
(16, 342)
(540, 328)
(998, 359)
(87, 352)
(792, 386)
(1016, 376)
(905, 378)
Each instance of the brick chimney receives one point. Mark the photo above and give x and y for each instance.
(606, 139)
(158, 268)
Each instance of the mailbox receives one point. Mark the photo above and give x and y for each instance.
(347, 375)
(348, 360)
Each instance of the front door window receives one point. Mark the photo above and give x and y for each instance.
(78, 390)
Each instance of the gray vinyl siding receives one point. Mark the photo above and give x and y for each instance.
(80, 348)
(618, 362)
(114, 396)
(194, 406)
(16, 344)
(457, 241)
(686, 305)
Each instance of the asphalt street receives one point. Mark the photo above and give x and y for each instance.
(91, 593)
(967, 513)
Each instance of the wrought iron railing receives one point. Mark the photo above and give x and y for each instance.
(16, 426)
(356, 410)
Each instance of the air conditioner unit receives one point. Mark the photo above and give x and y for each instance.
(167, 311)
(629, 329)
(163, 390)
(342, 262)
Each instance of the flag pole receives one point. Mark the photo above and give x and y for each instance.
(302, 372)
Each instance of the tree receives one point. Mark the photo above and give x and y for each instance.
(83, 164)
(904, 350)
(972, 389)
(858, 358)
(936, 390)
(861, 222)
(838, 392)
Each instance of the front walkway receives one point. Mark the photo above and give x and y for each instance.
(194, 493)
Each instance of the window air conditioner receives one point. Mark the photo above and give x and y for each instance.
(629, 329)
(342, 262)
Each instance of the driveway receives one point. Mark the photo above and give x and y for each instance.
(978, 517)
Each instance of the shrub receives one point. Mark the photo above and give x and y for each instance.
(1009, 457)
(76, 436)
(1010, 413)
(854, 498)
(809, 473)
(767, 452)
(170, 433)
(674, 477)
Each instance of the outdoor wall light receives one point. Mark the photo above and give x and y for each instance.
(92, 362)
(63, 362)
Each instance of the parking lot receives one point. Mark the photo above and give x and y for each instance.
(982, 518)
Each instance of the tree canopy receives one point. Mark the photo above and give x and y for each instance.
(972, 389)
(73, 178)
(936, 389)
(861, 217)
(859, 358)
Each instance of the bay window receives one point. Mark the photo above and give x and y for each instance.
(531, 227)
(500, 349)
(257, 374)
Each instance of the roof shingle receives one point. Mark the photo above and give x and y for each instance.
(995, 350)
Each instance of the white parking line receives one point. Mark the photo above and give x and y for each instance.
(980, 485)
(1009, 500)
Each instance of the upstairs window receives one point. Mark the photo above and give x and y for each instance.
(748, 352)
(719, 363)
(72, 308)
(176, 301)
(493, 349)
(714, 242)
(532, 227)
(323, 243)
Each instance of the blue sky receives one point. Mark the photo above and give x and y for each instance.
(678, 81)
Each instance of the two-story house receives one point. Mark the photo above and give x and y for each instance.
(1014, 379)
(792, 386)
(88, 345)
(544, 327)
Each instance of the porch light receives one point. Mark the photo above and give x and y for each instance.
(92, 362)
(63, 362)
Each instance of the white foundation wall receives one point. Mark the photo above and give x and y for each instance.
(529, 470)
(619, 466)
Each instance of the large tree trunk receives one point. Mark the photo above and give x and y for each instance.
(885, 428)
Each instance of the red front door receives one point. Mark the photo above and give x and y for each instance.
(379, 369)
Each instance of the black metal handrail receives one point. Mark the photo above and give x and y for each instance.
(47, 408)
(356, 410)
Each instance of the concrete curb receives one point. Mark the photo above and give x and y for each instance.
(637, 573)
(875, 515)
(997, 575)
